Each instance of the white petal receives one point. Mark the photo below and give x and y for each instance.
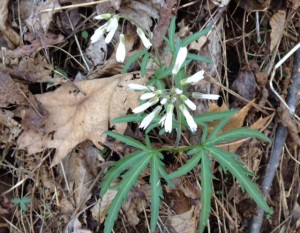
(189, 119)
(198, 95)
(163, 101)
(146, 42)
(169, 118)
(138, 87)
(188, 102)
(147, 96)
(181, 56)
(148, 119)
(146, 105)
(111, 29)
(98, 34)
(103, 16)
(121, 50)
(162, 121)
(178, 91)
(194, 78)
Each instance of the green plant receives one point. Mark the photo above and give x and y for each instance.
(22, 202)
(166, 94)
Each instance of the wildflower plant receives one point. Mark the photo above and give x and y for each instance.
(167, 105)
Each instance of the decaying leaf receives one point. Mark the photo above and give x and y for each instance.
(277, 23)
(186, 222)
(80, 112)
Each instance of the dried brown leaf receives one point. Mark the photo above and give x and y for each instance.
(186, 222)
(80, 112)
(277, 23)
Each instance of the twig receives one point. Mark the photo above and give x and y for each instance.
(281, 133)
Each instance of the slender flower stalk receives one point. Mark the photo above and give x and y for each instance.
(193, 79)
(138, 87)
(146, 42)
(189, 119)
(188, 102)
(169, 118)
(181, 56)
(146, 105)
(198, 95)
(121, 50)
(149, 118)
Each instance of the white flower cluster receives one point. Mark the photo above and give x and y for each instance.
(171, 99)
(110, 27)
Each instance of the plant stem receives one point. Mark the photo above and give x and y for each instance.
(179, 129)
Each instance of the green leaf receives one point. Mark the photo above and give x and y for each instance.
(84, 34)
(129, 118)
(129, 179)
(22, 202)
(120, 167)
(132, 59)
(237, 134)
(212, 116)
(171, 33)
(194, 37)
(156, 191)
(241, 174)
(144, 64)
(162, 72)
(218, 128)
(195, 57)
(191, 163)
(127, 140)
(206, 193)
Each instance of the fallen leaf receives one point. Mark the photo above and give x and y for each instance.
(10, 35)
(186, 222)
(133, 208)
(277, 23)
(80, 112)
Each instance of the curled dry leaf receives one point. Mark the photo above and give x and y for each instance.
(80, 112)
(277, 23)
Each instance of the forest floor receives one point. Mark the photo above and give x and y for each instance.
(59, 94)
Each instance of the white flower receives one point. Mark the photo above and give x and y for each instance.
(189, 119)
(138, 87)
(145, 40)
(178, 91)
(169, 118)
(98, 34)
(162, 121)
(121, 50)
(149, 95)
(148, 119)
(181, 56)
(146, 105)
(188, 102)
(198, 95)
(194, 78)
(103, 16)
(163, 101)
(111, 28)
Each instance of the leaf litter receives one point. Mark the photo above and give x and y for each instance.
(72, 118)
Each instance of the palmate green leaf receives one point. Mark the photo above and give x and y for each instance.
(171, 33)
(194, 37)
(206, 184)
(144, 64)
(129, 118)
(191, 163)
(156, 190)
(236, 134)
(132, 59)
(120, 167)
(127, 140)
(241, 174)
(199, 58)
(212, 116)
(129, 179)
(22, 202)
(214, 134)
